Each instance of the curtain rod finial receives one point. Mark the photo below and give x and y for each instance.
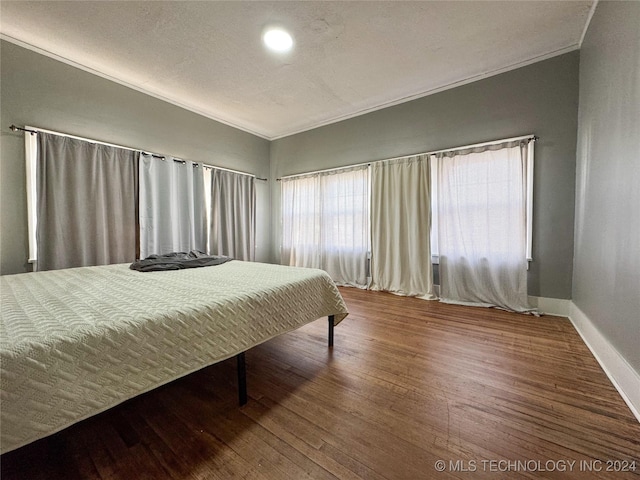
(13, 128)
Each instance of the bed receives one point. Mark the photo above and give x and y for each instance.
(78, 341)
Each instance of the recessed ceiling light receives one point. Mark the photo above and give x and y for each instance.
(278, 40)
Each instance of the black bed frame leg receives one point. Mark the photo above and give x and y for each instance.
(242, 379)
(242, 367)
(331, 320)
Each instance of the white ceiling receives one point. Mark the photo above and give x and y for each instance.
(349, 57)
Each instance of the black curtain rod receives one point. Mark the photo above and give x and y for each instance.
(162, 157)
(14, 128)
(158, 156)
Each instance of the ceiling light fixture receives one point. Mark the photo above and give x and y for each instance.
(277, 39)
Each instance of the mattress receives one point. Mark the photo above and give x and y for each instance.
(78, 341)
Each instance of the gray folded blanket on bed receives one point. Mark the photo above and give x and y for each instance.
(177, 261)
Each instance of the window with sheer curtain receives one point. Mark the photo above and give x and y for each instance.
(482, 225)
(172, 206)
(325, 223)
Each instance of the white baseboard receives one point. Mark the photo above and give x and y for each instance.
(622, 375)
(558, 307)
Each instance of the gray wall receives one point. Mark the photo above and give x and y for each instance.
(541, 98)
(36, 90)
(606, 281)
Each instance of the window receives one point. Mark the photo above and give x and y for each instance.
(325, 223)
(165, 208)
(31, 162)
(498, 180)
(483, 226)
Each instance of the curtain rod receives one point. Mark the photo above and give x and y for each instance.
(434, 152)
(15, 128)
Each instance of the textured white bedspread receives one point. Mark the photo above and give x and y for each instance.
(76, 342)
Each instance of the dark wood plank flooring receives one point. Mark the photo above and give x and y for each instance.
(408, 383)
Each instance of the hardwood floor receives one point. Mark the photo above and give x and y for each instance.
(409, 382)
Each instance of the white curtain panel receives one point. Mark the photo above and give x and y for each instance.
(325, 223)
(482, 227)
(400, 225)
(172, 206)
(232, 218)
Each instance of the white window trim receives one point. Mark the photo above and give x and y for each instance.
(31, 156)
(530, 150)
(433, 163)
